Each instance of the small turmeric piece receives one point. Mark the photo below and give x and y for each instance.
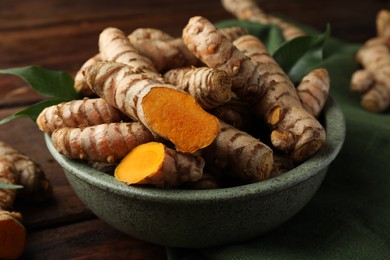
(78, 113)
(210, 87)
(313, 90)
(243, 156)
(12, 232)
(166, 111)
(80, 84)
(155, 164)
(103, 143)
(250, 10)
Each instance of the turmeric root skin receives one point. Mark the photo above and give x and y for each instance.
(78, 113)
(245, 157)
(209, 87)
(153, 163)
(104, 143)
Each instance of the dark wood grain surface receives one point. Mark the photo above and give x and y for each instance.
(62, 34)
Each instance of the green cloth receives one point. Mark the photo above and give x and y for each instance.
(349, 216)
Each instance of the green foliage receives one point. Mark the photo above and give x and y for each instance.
(302, 54)
(56, 85)
(10, 186)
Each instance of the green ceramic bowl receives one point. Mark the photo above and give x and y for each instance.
(204, 218)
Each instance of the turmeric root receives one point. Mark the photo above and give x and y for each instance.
(210, 87)
(372, 81)
(80, 85)
(36, 187)
(313, 90)
(153, 163)
(374, 55)
(12, 232)
(214, 49)
(249, 10)
(115, 46)
(242, 155)
(293, 128)
(78, 113)
(166, 111)
(104, 142)
(265, 86)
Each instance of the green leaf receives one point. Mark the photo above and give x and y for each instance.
(302, 54)
(49, 83)
(32, 111)
(270, 35)
(10, 186)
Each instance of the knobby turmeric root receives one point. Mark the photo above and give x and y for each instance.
(216, 51)
(78, 113)
(153, 163)
(166, 111)
(36, 187)
(259, 80)
(375, 58)
(12, 232)
(249, 10)
(294, 129)
(240, 154)
(210, 87)
(372, 82)
(105, 142)
(313, 90)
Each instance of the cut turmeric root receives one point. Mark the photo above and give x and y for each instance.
(12, 235)
(153, 163)
(166, 111)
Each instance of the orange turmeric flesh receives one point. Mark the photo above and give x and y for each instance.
(176, 116)
(141, 163)
(12, 236)
(154, 163)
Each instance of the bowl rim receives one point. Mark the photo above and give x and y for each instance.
(333, 119)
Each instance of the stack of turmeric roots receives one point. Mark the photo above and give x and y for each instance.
(195, 111)
(17, 169)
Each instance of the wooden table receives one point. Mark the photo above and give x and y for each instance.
(61, 35)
